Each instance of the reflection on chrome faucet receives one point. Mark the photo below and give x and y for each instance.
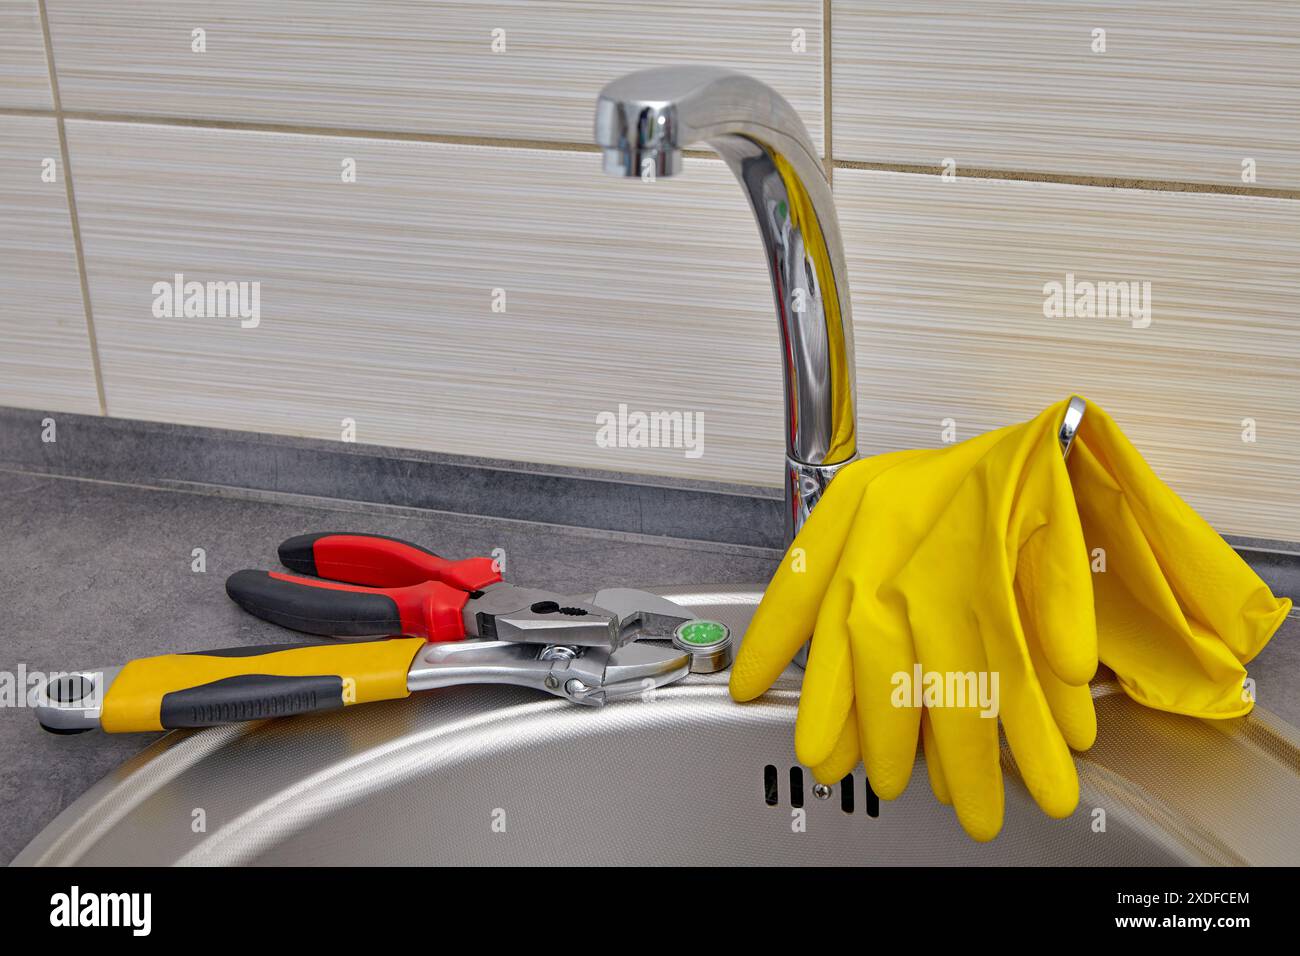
(643, 122)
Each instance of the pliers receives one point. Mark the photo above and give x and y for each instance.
(466, 626)
(365, 585)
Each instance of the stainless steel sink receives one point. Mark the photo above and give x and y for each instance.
(494, 775)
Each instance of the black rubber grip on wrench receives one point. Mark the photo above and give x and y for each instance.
(249, 697)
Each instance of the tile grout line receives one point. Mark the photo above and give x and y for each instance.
(1073, 179)
(65, 159)
(827, 72)
(341, 132)
(1010, 175)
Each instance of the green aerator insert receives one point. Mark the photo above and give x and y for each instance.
(703, 633)
(708, 643)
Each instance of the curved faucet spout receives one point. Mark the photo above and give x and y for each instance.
(643, 122)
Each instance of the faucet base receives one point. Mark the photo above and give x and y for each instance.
(804, 485)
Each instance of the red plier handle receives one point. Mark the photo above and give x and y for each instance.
(381, 561)
(377, 585)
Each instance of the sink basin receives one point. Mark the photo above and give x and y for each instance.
(498, 775)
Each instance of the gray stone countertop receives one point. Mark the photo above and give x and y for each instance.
(95, 573)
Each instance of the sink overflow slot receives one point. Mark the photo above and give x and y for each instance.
(848, 790)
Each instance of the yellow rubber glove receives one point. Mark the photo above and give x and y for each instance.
(998, 588)
(1176, 622)
(1179, 613)
(869, 524)
(785, 620)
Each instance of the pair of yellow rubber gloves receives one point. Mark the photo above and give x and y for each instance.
(997, 557)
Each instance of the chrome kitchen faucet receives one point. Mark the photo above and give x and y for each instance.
(643, 122)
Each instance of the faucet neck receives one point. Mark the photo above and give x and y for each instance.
(644, 121)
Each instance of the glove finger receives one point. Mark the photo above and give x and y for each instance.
(787, 614)
(935, 591)
(1052, 568)
(968, 750)
(965, 740)
(889, 719)
(1036, 743)
(1071, 704)
(844, 755)
(938, 782)
(827, 695)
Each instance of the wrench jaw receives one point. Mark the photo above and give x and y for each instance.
(623, 669)
(591, 676)
(642, 615)
(569, 623)
(610, 618)
(503, 612)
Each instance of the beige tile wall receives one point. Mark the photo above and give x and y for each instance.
(44, 349)
(24, 76)
(376, 298)
(428, 67)
(474, 174)
(948, 303)
(1183, 91)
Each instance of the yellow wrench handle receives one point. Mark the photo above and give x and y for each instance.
(252, 683)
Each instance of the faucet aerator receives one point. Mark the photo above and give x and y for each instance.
(642, 163)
